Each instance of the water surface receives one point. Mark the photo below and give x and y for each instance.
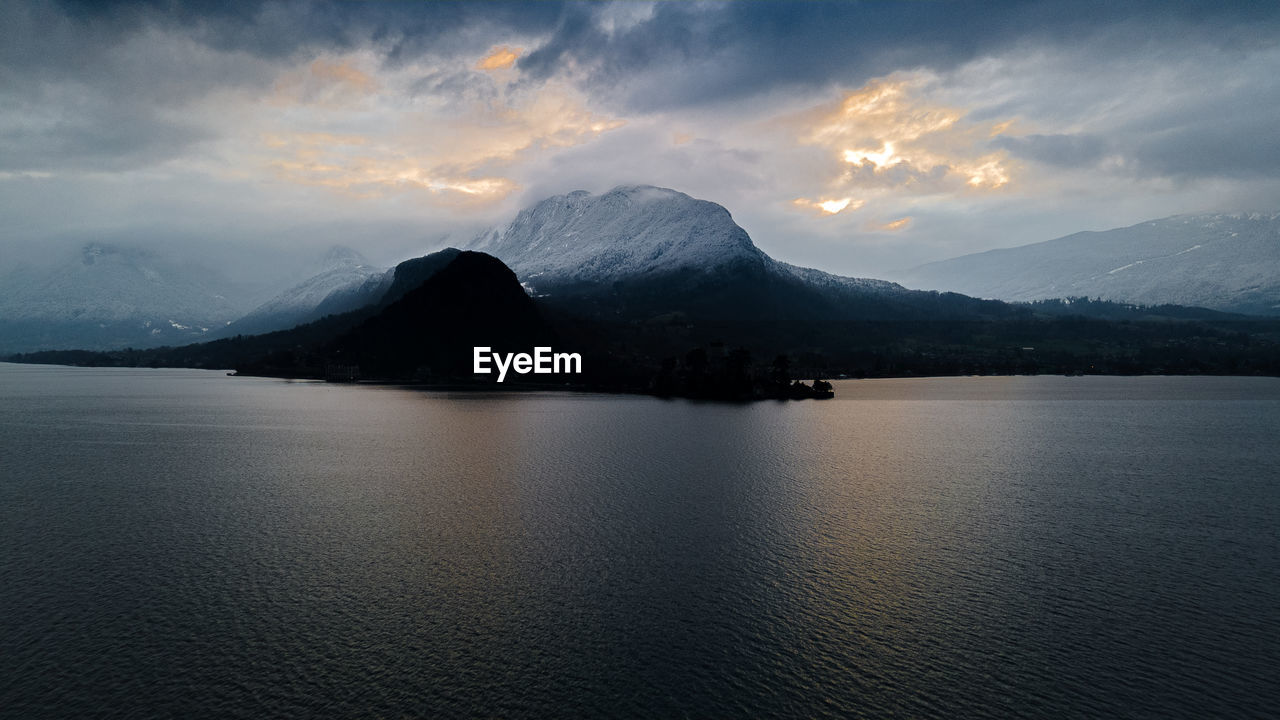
(182, 543)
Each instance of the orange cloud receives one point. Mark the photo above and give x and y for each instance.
(360, 167)
(898, 224)
(343, 74)
(1001, 128)
(454, 155)
(499, 58)
(888, 140)
(325, 83)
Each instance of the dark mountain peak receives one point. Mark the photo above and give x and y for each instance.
(472, 299)
(412, 273)
(471, 278)
(473, 261)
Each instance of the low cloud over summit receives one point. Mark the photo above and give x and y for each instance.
(859, 137)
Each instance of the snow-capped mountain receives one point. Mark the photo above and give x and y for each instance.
(634, 232)
(625, 232)
(110, 296)
(341, 283)
(1223, 262)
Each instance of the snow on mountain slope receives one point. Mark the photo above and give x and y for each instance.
(108, 282)
(820, 279)
(628, 231)
(110, 296)
(343, 272)
(1223, 262)
(634, 231)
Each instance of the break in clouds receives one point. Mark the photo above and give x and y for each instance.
(856, 137)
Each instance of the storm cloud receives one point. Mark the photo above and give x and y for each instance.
(708, 52)
(854, 136)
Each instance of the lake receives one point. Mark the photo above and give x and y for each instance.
(184, 543)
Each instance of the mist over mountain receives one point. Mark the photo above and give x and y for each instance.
(110, 296)
(343, 280)
(1223, 262)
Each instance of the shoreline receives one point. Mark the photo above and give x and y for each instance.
(491, 387)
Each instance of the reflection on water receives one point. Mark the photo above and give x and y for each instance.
(181, 541)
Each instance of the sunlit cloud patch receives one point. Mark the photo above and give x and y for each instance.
(889, 140)
(891, 226)
(500, 58)
(828, 207)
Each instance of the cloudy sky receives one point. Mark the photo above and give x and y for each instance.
(855, 137)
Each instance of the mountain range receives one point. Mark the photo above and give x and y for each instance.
(655, 289)
(1224, 262)
(650, 255)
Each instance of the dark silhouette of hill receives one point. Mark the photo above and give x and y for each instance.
(424, 327)
(410, 275)
(719, 335)
(472, 300)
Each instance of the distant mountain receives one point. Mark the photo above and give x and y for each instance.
(1223, 262)
(111, 296)
(344, 281)
(640, 252)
